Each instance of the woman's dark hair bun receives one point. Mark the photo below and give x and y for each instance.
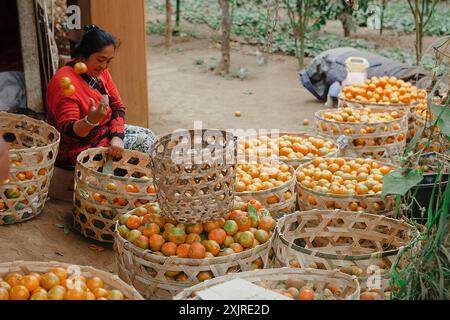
(94, 40)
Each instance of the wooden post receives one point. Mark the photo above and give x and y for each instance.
(30, 55)
(126, 21)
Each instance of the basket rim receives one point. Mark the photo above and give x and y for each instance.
(300, 133)
(101, 174)
(318, 253)
(39, 123)
(319, 116)
(339, 196)
(135, 295)
(392, 105)
(187, 261)
(282, 272)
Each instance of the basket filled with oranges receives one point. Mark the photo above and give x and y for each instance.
(33, 146)
(289, 284)
(271, 183)
(376, 133)
(194, 174)
(161, 257)
(359, 244)
(24, 280)
(352, 184)
(105, 189)
(388, 92)
(290, 148)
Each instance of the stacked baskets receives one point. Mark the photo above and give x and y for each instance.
(191, 189)
(33, 150)
(105, 190)
(381, 140)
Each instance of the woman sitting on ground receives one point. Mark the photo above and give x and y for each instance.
(93, 115)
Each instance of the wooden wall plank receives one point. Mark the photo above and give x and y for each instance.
(30, 55)
(126, 21)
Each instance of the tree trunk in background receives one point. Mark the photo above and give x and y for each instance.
(418, 32)
(224, 65)
(169, 12)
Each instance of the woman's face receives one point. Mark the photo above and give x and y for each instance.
(99, 61)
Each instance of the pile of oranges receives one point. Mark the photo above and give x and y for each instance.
(383, 90)
(56, 284)
(253, 176)
(343, 177)
(361, 115)
(244, 228)
(286, 147)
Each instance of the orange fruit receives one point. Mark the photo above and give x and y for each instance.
(195, 228)
(94, 283)
(133, 222)
(151, 229)
(49, 280)
(183, 250)
(218, 235)
(13, 279)
(204, 275)
(60, 272)
(19, 293)
(246, 239)
(193, 237)
(211, 225)
(65, 83)
(306, 294)
(236, 247)
(267, 223)
(100, 293)
(177, 236)
(76, 294)
(197, 251)
(30, 282)
(169, 249)
(156, 241)
(244, 223)
(212, 247)
(80, 68)
(56, 293)
(4, 294)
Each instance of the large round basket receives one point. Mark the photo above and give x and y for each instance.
(279, 200)
(105, 190)
(33, 147)
(384, 141)
(194, 174)
(356, 243)
(147, 271)
(308, 199)
(111, 281)
(347, 286)
(406, 107)
(294, 162)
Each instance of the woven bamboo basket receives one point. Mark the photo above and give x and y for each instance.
(100, 198)
(347, 285)
(408, 108)
(308, 199)
(295, 162)
(194, 173)
(384, 141)
(33, 147)
(147, 271)
(279, 200)
(111, 280)
(360, 244)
